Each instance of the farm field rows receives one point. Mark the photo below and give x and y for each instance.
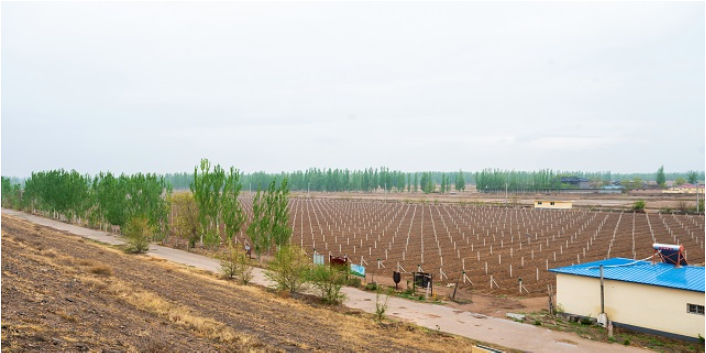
(494, 245)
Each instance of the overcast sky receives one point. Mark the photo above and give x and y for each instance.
(414, 86)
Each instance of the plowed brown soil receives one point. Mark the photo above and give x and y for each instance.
(63, 293)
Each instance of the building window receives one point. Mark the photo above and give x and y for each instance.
(551, 203)
(539, 203)
(695, 309)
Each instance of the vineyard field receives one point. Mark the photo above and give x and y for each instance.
(494, 245)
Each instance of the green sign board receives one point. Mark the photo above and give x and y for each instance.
(358, 270)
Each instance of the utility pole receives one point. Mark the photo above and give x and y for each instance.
(505, 194)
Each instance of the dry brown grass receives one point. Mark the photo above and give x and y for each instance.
(101, 270)
(177, 314)
(144, 300)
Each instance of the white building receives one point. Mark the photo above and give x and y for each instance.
(656, 298)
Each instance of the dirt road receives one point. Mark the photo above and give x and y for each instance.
(435, 317)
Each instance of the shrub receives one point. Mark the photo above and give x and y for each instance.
(639, 206)
(328, 281)
(558, 309)
(380, 307)
(371, 286)
(234, 262)
(289, 268)
(354, 282)
(138, 232)
(626, 342)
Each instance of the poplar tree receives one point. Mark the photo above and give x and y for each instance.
(206, 188)
(233, 215)
(661, 179)
(460, 182)
(278, 207)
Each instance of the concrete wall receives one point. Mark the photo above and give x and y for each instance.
(559, 205)
(651, 307)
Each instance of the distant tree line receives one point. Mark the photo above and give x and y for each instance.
(345, 180)
(378, 179)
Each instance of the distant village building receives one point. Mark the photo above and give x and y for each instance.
(559, 205)
(611, 189)
(576, 182)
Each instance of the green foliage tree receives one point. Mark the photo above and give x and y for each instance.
(460, 182)
(207, 188)
(112, 195)
(692, 177)
(427, 183)
(59, 193)
(289, 268)
(278, 201)
(328, 281)
(634, 184)
(11, 194)
(233, 215)
(269, 225)
(258, 230)
(6, 187)
(443, 183)
(661, 179)
(679, 181)
(147, 196)
(185, 222)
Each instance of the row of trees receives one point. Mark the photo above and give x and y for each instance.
(99, 201)
(270, 218)
(494, 180)
(215, 193)
(214, 202)
(490, 180)
(139, 203)
(372, 179)
(107, 199)
(341, 180)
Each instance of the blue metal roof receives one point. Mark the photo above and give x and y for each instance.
(643, 272)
